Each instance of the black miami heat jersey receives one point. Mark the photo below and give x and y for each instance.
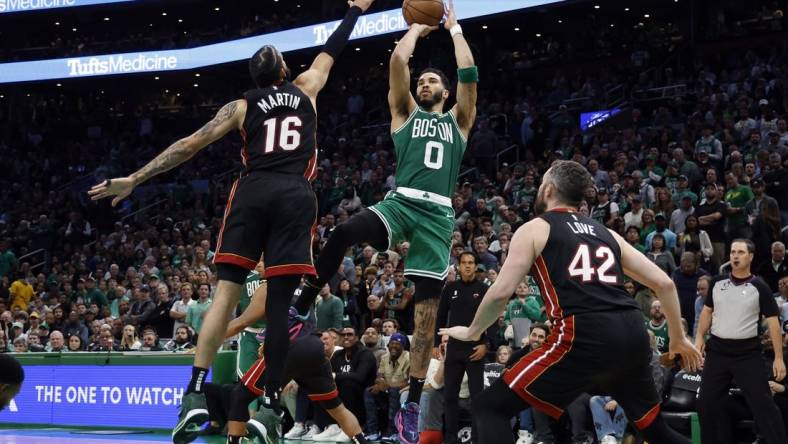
(579, 270)
(279, 131)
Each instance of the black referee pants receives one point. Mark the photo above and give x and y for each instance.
(456, 365)
(748, 370)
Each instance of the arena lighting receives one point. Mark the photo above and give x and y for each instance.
(7, 6)
(304, 37)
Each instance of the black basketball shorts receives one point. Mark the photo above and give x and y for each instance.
(605, 353)
(271, 213)
(307, 365)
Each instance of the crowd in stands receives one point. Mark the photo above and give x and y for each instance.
(678, 177)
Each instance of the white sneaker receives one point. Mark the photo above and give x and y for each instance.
(296, 432)
(524, 437)
(329, 434)
(310, 433)
(609, 439)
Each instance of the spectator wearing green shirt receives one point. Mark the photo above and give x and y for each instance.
(526, 308)
(329, 310)
(736, 199)
(7, 259)
(196, 314)
(93, 295)
(633, 237)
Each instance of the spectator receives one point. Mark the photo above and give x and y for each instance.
(776, 180)
(694, 240)
(398, 303)
(766, 230)
(142, 308)
(605, 210)
(686, 280)
(105, 342)
(609, 419)
(680, 214)
(709, 144)
(711, 217)
(75, 327)
(196, 313)
(392, 378)
(632, 236)
(34, 342)
(329, 310)
(56, 342)
(736, 198)
(484, 148)
(354, 369)
(160, 318)
(8, 260)
(182, 340)
(371, 340)
(20, 345)
(181, 307)
(92, 294)
(21, 292)
(150, 341)
(775, 269)
(700, 299)
(753, 208)
(75, 343)
(130, 341)
(634, 217)
(480, 247)
(661, 228)
(659, 255)
(658, 325)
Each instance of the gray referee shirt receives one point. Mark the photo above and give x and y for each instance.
(738, 305)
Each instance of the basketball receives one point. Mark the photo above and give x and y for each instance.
(425, 12)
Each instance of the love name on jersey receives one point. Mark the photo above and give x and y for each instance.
(279, 99)
(431, 128)
(581, 228)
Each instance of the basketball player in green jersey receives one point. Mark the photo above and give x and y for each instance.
(247, 342)
(429, 146)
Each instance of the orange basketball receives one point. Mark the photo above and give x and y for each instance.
(425, 12)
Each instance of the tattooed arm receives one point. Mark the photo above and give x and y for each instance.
(229, 117)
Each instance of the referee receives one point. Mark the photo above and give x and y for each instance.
(733, 353)
(459, 302)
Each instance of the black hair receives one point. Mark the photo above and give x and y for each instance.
(542, 326)
(571, 181)
(265, 66)
(441, 74)
(468, 253)
(10, 370)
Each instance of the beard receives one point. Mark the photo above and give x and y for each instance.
(370, 344)
(539, 205)
(430, 101)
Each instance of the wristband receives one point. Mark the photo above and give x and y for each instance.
(456, 29)
(468, 75)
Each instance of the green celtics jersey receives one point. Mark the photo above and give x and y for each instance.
(253, 281)
(661, 334)
(429, 149)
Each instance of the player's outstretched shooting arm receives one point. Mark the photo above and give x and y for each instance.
(312, 81)
(526, 245)
(401, 102)
(467, 74)
(640, 268)
(228, 118)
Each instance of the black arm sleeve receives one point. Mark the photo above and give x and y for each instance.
(337, 41)
(443, 313)
(768, 304)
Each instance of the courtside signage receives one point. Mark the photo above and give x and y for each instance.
(37, 5)
(232, 51)
(95, 395)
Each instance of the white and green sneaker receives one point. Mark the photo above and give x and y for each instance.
(192, 415)
(265, 427)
